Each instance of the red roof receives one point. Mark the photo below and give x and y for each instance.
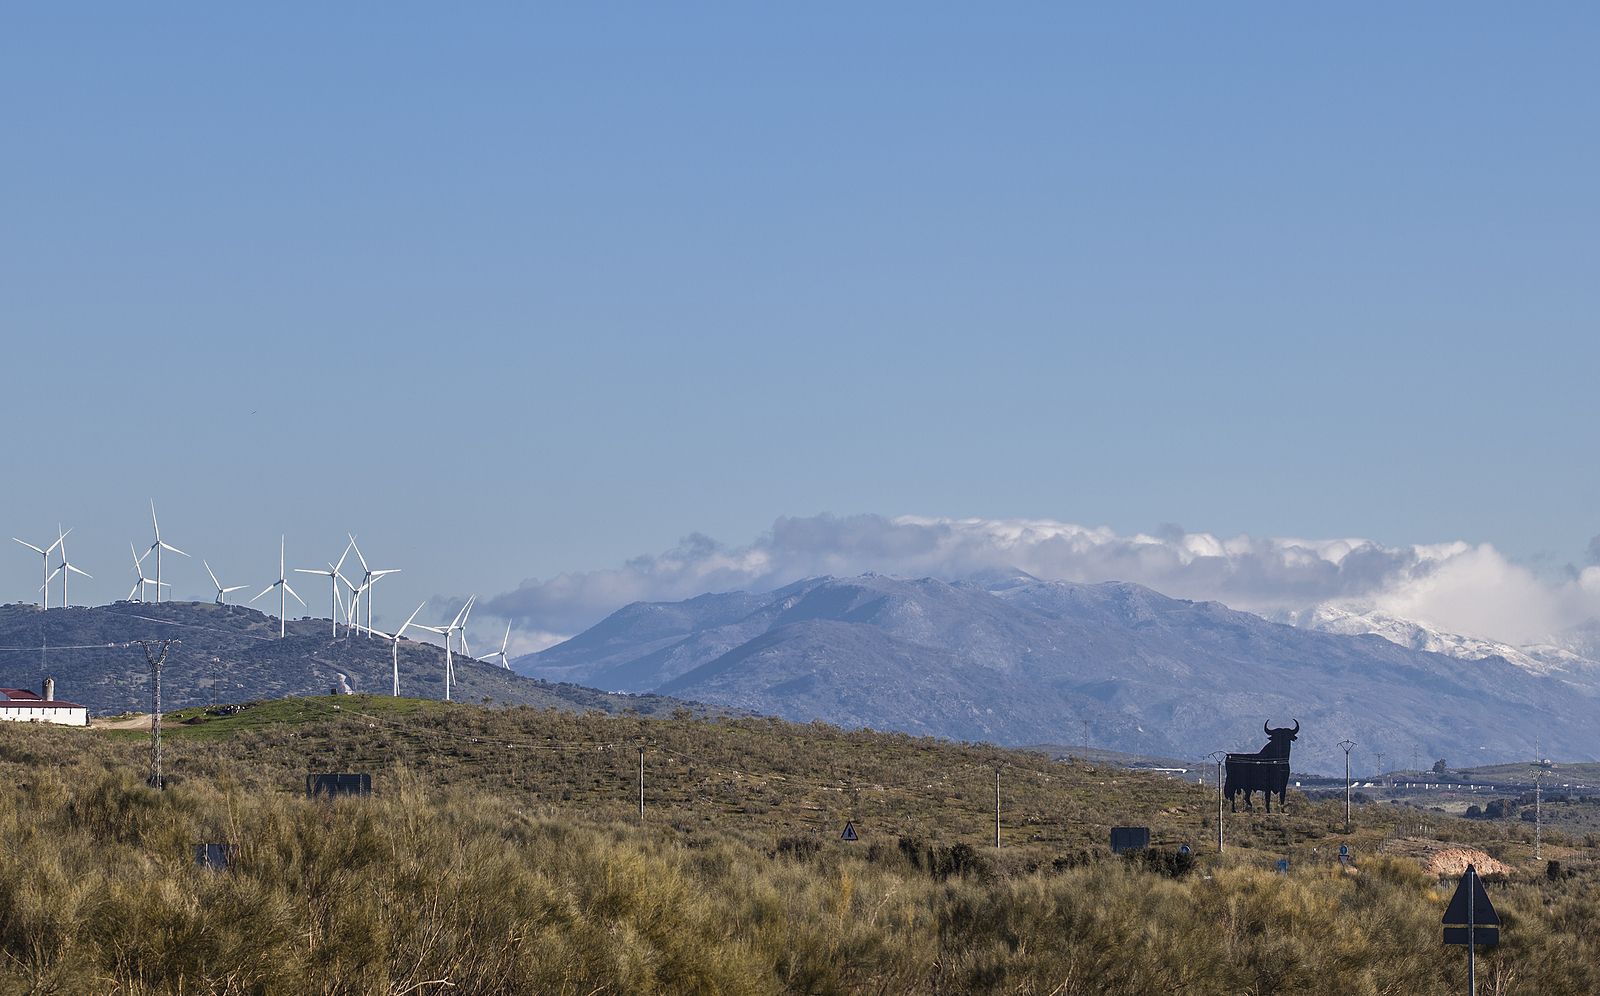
(41, 704)
(19, 698)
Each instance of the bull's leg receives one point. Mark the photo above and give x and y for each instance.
(1268, 796)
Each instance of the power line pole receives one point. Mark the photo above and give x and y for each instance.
(641, 784)
(997, 807)
(155, 661)
(1219, 756)
(1348, 746)
(1086, 741)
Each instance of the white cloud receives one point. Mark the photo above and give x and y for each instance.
(1459, 587)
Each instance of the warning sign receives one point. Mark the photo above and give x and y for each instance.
(849, 831)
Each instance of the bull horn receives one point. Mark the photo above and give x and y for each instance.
(1265, 728)
(1297, 726)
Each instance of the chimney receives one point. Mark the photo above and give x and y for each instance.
(49, 689)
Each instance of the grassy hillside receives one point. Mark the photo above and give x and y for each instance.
(503, 852)
(231, 653)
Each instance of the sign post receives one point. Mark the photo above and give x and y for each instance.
(1470, 907)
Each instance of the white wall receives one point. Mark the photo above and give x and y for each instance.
(59, 715)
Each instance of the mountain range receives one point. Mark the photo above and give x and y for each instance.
(1015, 660)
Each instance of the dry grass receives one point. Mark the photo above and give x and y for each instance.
(485, 868)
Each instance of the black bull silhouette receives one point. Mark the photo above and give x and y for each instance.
(1266, 771)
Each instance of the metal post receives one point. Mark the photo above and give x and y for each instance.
(1538, 812)
(1348, 746)
(1219, 757)
(1086, 741)
(155, 663)
(641, 784)
(1472, 935)
(997, 807)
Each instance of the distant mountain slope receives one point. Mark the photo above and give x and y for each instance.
(1016, 660)
(233, 654)
(1537, 658)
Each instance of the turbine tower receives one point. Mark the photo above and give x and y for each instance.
(65, 568)
(447, 631)
(282, 584)
(501, 653)
(139, 585)
(45, 556)
(222, 593)
(334, 577)
(395, 647)
(158, 546)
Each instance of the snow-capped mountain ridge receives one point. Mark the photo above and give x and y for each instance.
(1541, 658)
(1012, 659)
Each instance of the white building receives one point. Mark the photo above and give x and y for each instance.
(18, 705)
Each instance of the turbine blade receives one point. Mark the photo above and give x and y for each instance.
(32, 547)
(77, 571)
(357, 549)
(237, 587)
(291, 591)
(213, 576)
(268, 589)
(307, 570)
(172, 549)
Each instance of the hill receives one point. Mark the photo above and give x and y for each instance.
(232, 653)
(503, 852)
(1016, 660)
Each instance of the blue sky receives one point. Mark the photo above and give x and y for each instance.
(519, 290)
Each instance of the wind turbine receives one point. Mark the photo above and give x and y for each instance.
(222, 593)
(395, 649)
(139, 585)
(65, 568)
(460, 625)
(282, 584)
(334, 577)
(45, 554)
(501, 653)
(447, 631)
(158, 546)
(368, 580)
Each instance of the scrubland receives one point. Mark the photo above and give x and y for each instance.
(503, 852)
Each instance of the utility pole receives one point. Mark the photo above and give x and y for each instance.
(997, 807)
(1414, 761)
(156, 661)
(1086, 741)
(1380, 767)
(1219, 756)
(1348, 746)
(641, 784)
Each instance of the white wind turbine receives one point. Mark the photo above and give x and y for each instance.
(222, 593)
(447, 631)
(65, 568)
(369, 579)
(282, 584)
(505, 662)
(460, 625)
(395, 648)
(139, 585)
(158, 546)
(334, 577)
(45, 555)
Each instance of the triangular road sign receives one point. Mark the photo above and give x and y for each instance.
(849, 831)
(1483, 914)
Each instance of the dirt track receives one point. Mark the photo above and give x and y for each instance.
(139, 722)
